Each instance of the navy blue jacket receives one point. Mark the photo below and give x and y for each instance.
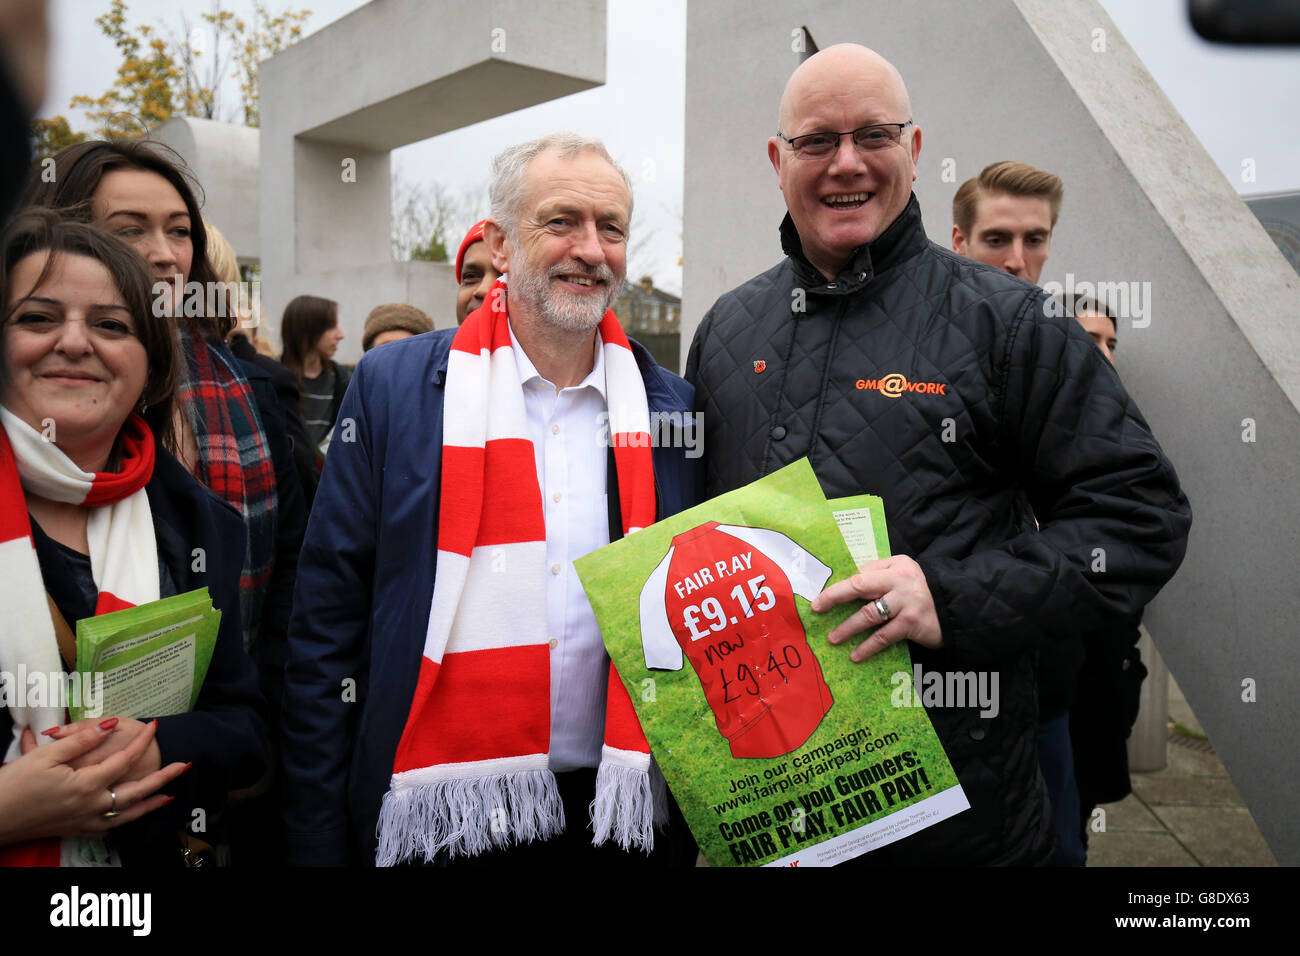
(269, 651)
(365, 584)
(224, 736)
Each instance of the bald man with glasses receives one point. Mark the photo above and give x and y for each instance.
(901, 369)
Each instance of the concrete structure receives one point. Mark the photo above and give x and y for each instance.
(391, 73)
(1210, 349)
(1147, 750)
(1279, 214)
(224, 158)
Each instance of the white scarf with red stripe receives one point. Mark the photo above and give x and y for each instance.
(471, 770)
(123, 561)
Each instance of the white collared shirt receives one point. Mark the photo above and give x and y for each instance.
(571, 461)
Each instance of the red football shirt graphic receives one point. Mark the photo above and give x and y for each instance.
(723, 597)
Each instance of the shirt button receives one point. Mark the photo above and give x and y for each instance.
(977, 733)
(861, 276)
(554, 643)
(555, 569)
(555, 497)
(555, 429)
(778, 432)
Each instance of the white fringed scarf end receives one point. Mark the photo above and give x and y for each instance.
(466, 816)
(627, 806)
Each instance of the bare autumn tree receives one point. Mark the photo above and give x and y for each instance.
(640, 243)
(429, 220)
(260, 38)
(227, 45)
(202, 61)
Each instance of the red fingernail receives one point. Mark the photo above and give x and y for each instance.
(50, 732)
(167, 801)
(108, 724)
(188, 765)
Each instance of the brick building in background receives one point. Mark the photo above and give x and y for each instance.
(654, 318)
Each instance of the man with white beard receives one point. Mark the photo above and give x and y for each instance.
(447, 680)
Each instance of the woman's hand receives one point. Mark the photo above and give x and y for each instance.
(126, 730)
(42, 795)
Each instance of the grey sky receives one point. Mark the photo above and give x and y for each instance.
(1241, 103)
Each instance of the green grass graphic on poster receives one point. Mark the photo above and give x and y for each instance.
(777, 747)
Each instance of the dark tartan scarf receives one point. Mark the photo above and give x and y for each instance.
(234, 460)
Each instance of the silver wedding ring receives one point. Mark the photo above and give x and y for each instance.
(112, 811)
(882, 608)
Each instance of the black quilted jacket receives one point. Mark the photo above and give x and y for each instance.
(944, 386)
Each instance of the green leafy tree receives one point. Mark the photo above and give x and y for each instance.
(51, 135)
(146, 85)
(165, 74)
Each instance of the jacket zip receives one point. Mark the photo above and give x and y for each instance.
(826, 375)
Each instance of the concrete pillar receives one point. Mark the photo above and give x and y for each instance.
(344, 218)
(1147, 745)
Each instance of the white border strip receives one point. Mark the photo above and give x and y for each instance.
(880, 832)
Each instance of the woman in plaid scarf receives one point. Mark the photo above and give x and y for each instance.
(135, 191)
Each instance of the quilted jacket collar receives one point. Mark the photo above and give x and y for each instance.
(904, 238)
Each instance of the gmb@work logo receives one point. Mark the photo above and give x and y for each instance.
(895, 384)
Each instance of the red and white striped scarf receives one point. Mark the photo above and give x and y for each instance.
(471, 770)
(123, 562)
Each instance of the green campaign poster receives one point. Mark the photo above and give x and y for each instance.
(778, 749)
(150, 660)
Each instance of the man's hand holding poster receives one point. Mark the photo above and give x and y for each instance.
(777, 747)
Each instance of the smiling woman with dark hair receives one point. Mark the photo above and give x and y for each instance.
(88, 185)
(95, 515)
(141, 192)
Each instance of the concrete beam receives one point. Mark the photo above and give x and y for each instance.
(390, 73)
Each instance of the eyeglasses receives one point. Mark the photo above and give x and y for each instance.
(866, 138)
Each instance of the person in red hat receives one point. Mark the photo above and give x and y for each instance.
(474, 272)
